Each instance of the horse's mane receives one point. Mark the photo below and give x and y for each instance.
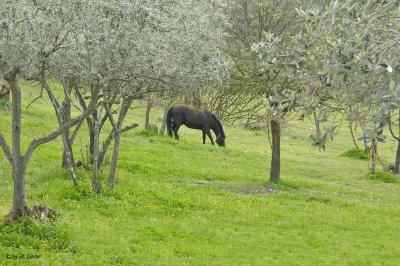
(219, 125)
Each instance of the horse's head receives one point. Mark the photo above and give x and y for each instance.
(219, 132)
(220, 140)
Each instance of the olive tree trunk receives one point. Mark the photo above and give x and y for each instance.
(276, 151)
(96, 185)
(19, 206)
(164, 121)
(16, 159)
(317, 124)
(396, 137)
(374, 155)
(126, 103)
(147, 117)
(63, 114)
(397, 162)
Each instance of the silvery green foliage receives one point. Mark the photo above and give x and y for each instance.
(346, 51)
(360, 41)
(141, 41)
(28, 32)
(346, 44)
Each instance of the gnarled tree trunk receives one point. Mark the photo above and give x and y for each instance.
(19, 206)
(397, 162)
(126, 103)
(374, 155)
(276, 151)
(317, 126)
(147, 117)
(18, 161)
(96, 185)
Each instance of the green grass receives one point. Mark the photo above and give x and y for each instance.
(383, 177)
(181, 202)
(357, 153)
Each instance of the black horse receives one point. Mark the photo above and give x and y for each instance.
(196, 119)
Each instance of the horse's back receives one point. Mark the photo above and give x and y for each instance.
(192, 118)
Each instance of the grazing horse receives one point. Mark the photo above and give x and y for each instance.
(196, 119)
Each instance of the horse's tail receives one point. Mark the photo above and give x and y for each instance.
(169, 121)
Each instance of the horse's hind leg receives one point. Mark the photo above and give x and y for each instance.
(176, 128)
(204, 137)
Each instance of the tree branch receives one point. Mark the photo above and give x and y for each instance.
(110, 116)
(6, 149)
(108, 140)
(127, 128)
(37, 142)
(34, 100)
(75, 133)
(389, 120)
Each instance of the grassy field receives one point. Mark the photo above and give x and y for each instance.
(184, 203)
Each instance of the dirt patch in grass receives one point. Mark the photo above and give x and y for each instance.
(256, 191)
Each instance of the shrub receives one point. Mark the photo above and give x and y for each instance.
(356, 153)
(32, 234)
(383, 177)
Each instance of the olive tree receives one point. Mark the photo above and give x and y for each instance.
(347, 48)
(31, 34)
(172, 46)
(361, 40)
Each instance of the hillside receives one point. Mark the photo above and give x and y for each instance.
(181, 202)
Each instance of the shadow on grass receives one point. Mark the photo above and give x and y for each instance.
(245, 188)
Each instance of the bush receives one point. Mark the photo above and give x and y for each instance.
(356, 153)
(383, 177)
(32, 234)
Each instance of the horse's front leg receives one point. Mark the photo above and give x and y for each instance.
(210, 137)
(204, 137)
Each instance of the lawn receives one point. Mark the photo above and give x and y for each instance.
(185, 203)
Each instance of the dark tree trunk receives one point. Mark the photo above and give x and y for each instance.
(67, 149)
(126, 103)
(147, 118)
(19, 207)
(366, 148)
(374, 155)
(68, 157)
(96, 185)
(113, 168)
(397, 162)
(276, 151)
(317, 126)
(197, 103)
(164, 122)
(104, 148)
(13, 154)
(65, 115)
(91, 142)
(89, 121)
